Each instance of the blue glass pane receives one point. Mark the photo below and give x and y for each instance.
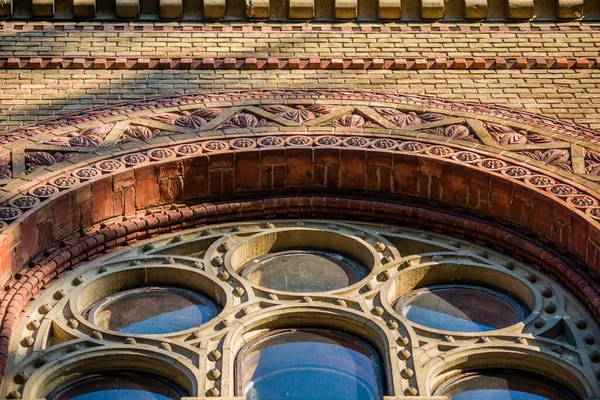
(304, 271)
(120, 395)
(153, 310)
(118, 386)
(461, 308)
(496, 394)
(311, 366)
(505, 385)
(173, 321)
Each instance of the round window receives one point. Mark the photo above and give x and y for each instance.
(501, 385)
(303, 271)
(152, 310)
(310, 365)
(461, 308)
(118, 385)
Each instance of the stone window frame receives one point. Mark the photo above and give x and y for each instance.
(409, 353)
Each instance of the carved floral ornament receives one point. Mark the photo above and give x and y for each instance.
(561, 188)
(402, 122)
(64, 328)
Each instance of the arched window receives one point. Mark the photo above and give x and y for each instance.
(118, 385)
(309, 364)
(499, 385)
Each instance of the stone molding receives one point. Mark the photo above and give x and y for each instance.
(385, 10)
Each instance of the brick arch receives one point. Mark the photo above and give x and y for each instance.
(100, 200)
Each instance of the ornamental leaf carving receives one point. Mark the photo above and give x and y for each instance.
(5, 169)
(86, 141)
(188, 120)
(321, 109)
(278, 109)
(208, 113)
(352, 121)
(592, 162)
(537, 138)
(455, 132)
(91, 137)
(387, 112)
(245, 120)
(432, 117)
(100, 131)
(140, 132)
(555, 157)
(505, 135)
(399, 118)
(41, 158)
(166, 118)
(298, 114)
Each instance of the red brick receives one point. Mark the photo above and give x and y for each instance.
(405, 173)
(430, 178)
(299, 167)
(195, 177)
(102, 200)
(146, 187)
(454, 183)
(247, 170)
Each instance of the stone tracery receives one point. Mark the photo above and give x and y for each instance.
(207, 260)
(168, 168)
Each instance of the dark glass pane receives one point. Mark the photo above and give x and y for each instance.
(118, 386)
(304, 271)
(505, 386)
(153, 311)
(461, 309)
(311, 365)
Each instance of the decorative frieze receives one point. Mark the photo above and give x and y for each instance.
(570, 9)
(171, 9)
(476, 9)
(6, 8)
(432, 9)
(390, 9)
(127, 8)
(257, 9)
(214, 9)
(84, 8)
(302, 9)
(346, 9)
(519, 9)
(42, 8)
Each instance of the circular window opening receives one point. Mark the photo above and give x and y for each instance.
(303, 271)
(152, 310)
(118, 385)
(501, 385)
(461, 308)
(310, 365)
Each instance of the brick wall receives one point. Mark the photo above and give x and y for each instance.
(28, 96)
(61, 68)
